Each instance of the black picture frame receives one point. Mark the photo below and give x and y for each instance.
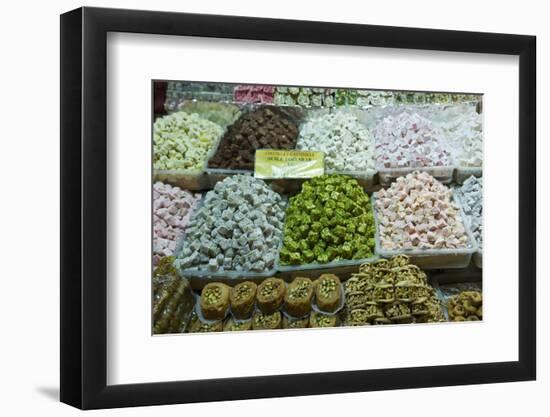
(84, 207)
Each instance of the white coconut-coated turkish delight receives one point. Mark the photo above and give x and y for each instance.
(347, 144)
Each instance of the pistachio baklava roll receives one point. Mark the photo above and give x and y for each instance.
(267, 321)
(270, 295)
(295, 323)
(323, 320)
(298, 297)
(197, 326)
(328, 292)
(232, 325)
(214, 301)
(242, 299)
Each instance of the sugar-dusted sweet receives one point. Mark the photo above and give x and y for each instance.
(428, 217)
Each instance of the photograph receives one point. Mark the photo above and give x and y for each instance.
(264, 207)
(302, 207)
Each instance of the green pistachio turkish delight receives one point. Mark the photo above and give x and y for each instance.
(329, 220)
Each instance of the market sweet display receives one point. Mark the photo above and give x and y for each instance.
(390, 234)
(183, 141)
(179, 91)
(264, 128)
(172, 208)
(272, 304)
(417, 212)
(329, 220)
(387, 291)
(390, 291)
(470, 195)
(346, 143)
(409, 140)
(238, 227)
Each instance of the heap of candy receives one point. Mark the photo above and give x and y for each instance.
(223, 114)
(374, 98)
(347, 144)
(466, 129)
(390, 291)
(172, 208)
(329, 220)
(470, 195)
(304, 96)
(409, 97)
(409, 140)
(237, 228)
(265, 128)
(461, 124)
(254, 93)
(417, 212)
(183, 141)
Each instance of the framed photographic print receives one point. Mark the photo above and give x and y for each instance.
(257, 208)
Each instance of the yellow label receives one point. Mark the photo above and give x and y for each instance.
(272, 163)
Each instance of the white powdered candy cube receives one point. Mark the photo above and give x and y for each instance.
(239, 223)
(470, 195)
(347, 144)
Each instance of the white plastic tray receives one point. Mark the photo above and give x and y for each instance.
(198, 278)
(191, 181)
(443, 174)
(343, 268)
(463, 173)
(478, 259)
